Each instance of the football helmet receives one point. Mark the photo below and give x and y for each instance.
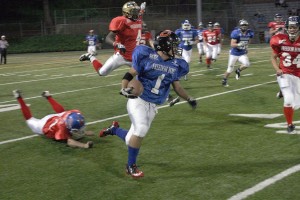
(131, 10)
(217, 24)
(243, 25)
(210, 25)
(278, 17)
(144, 26)
(186, 25)
(200, 25)
(167, 41)
(75, 123)
(292, 27)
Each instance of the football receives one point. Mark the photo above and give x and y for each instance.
(137, 87)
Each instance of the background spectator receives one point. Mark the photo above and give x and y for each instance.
(3, 48)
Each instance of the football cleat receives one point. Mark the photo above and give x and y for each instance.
(291, 129)
(17, 93)
(46, 94)
(174, 101)
(108, 131)
(224, 83)
(85, 57)
(237, 74)
(133, 171)
(279, 95)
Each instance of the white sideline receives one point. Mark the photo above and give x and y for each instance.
(265, 183)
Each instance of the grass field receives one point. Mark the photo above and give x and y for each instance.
(208, 153)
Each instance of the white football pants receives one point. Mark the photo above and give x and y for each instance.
(243, 59)
(290, 88)
(141, 114)
(114, 62)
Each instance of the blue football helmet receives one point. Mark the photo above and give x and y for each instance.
(75, 124)
(292, 27)
(186, 25)
(167, 41)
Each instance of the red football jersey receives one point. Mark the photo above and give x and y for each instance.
(211, 37)
(128, 33)
(277, 25)
(288, 52)
(146, 36)
(55, 126)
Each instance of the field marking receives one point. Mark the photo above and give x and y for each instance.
(265, 183)
(264, 116)
(159, 107)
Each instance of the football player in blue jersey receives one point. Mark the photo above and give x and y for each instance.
(240, 39)
(188, 37)
(92, 42)
(157, 69)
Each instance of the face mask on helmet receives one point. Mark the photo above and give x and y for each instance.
(186, 25)
(243, 25)
(292, 27)
(167, 42)
(131, 10)
(75, 123)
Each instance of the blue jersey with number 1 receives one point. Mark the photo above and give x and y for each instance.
(155, 74)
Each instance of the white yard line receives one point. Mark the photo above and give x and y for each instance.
(265, 183)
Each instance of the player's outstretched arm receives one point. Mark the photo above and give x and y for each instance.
(180, 91)
(73, 143)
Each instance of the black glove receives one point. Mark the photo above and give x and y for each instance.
(121, 47)
(279, 29)
(192, 102)
(174, 101)
(126, 92)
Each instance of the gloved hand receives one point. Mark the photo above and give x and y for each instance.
(192, 102)
(126, 92)
(143, 6)
(121, 47)
(241, 44)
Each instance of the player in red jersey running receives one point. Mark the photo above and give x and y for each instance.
(66, 126)
(211, 38)
(277, 26)
(146, 37)
(286, 48)
(125, 34)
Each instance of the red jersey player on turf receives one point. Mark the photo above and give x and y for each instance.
(286, 48)
(125, 34)
(63, 126)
